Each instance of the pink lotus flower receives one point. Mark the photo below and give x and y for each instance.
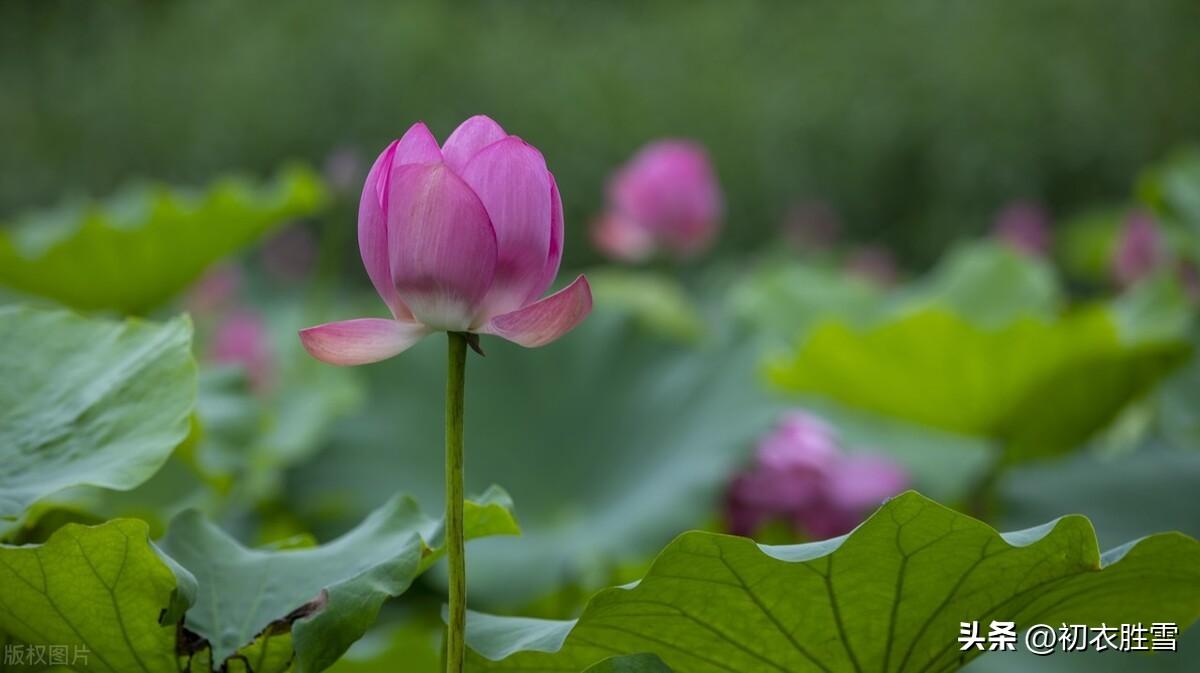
(242, 338)
(665, 198)
(1140, 249)
(461, 238)
(1025, 226)
(801, 475)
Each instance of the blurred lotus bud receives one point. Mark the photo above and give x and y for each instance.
(873, 263)
(242, 338)
(291, 254)
(215, 290)
(1025, 226)
(800, 475)
(344, 170)
(800, 441)
(812, 225)
(1140, 249)
(666, 199)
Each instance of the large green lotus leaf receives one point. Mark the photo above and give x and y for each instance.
(1152, 488)
(612, 441)
(632, 663)
(987, 283)
(1124, 495)
(1172, 189)
(139, 248)
(886, 598)
(412, 641)
(659, 302)
(328, 595)
(785, 299)
(102, 590)
(88, 402)
(1039, 387)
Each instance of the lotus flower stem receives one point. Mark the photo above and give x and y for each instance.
(455, 548)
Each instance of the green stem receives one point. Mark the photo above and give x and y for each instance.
(455, 548)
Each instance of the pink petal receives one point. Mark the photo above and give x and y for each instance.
(862, 482)
(441, 243)
(542, 322)
(471, 136)
(799, 442)
(554, 259)
(416, 146)
(372, 232)
(361, 341)
(511, 179)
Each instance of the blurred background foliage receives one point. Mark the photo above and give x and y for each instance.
(915, 120)
(863, 149)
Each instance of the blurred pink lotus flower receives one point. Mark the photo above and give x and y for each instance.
(873, 263)
(242, 338)
(461, 238)
(801, 475)
(666, 198)
(1025, 226)
(1140, 249)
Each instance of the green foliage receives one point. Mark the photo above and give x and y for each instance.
(1124, 495)
(1085, 244)
(658, 301)
(987, 283)
(138, 249)
(634, 663)
(785, 299)
(887, 597)
(101, 588)
(914, 131)
(88, 402)
(1172, 190)
(327, 596)
(612, 442)
(1039, 387)
(108, 589)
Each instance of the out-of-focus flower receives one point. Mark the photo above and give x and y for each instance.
(801, 475)
(1025, 226)
(343, 169)
(665, 199)
(291, 254)
(242, 338)
(812, 225)
(1140, 249)
(873, 263)
(215, 290)
(461, 238)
